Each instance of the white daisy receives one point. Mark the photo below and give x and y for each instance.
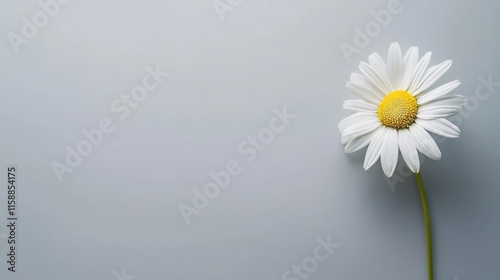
(397, 109)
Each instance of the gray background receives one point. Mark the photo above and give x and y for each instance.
(119, 208)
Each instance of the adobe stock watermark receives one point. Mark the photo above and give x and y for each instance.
(221, 179)
(121, 276)
(401, 173)
(121, 106)
(371, 29)
(483, 90)
(223, 6)
(310, 264)
(31, 27)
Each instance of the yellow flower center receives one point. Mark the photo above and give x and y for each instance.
(398, 109)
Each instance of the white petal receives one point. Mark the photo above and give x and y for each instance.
(360, 142)
(390, 150)
(420, 71)
(374, 77)
(359, 129)
(448, 100)
(376, 60)
(432, 75)
(355, 118)
(437, 113)
(424, 142)
(441, 127)
(364, 93)
(410, 62)
(364, 82)
(409, 150)
(438, 92)
(442, 107)
(380, 68)
(395, 65)
(375, 148)
(360, 106)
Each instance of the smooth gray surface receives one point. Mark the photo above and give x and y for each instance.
(119, 208)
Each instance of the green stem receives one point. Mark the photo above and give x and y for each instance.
(427, 225)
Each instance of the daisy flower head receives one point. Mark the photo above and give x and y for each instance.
(398, 107)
